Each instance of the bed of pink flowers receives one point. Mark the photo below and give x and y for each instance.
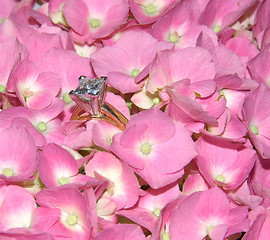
(192, 77)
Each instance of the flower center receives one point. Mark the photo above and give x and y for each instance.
(216, 28)
(72, 219)
(63, 180)
(156, 100)
(108, 141)
(166, 236)
(146, 148)
(42, 126)
(157, 212)
(27, 93)
(94, 22)
(67, 98)
(220, 178)
(254, 129)
(2, 88)
(150, 9)
(8, 172)
(135, 73)
(209, 228)
(173, 37)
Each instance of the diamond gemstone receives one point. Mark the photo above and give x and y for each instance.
(90, 94)
(90, 86)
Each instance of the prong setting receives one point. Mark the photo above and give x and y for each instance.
(90, 94)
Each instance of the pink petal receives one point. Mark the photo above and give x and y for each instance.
(76, 14)
(154, 119)
(191, 108)
(23, 158)
(204, 88)
(122, 232)
(195, 64)
(173, 157)
(44, 218)
(227, 62)
(17, 207)
(54, 163)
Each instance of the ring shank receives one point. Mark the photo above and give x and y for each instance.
(108, 113)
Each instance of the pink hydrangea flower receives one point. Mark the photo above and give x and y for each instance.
(223, 163)
(219, 15)
(155, 147)
(123, 187)
(43, 124)
(147, 210)
(146, 11)
(207, 213)
(74, 221)
(35, 89)
(94, 19)
(18, 161)
(58, 167)
(20, 214)
(195, 64)
(179, 25)
(126, 62)
(256, 116)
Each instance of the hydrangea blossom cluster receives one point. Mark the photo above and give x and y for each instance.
(193, 79)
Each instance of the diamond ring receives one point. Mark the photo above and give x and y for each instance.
(89, 97)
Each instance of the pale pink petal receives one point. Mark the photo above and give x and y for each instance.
(124, 191)
(17, 207)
